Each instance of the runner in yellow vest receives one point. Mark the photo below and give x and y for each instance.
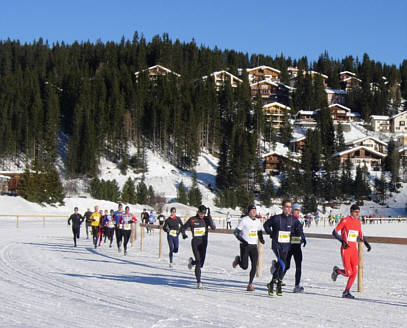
(94, 222)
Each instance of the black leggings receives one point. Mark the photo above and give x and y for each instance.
(246, 252)
(173, 244)
(126, 235)
(76, 231)
(118, 236)
(110, 233)
(281, 263)
(297, 253)
(199, 245)
(95, 231)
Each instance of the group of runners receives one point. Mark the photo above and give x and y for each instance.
(285, 230)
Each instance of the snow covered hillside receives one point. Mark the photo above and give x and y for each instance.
(45, 282)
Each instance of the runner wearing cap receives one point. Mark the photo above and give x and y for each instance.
(297, 238)
(199, 227)
(248, 232)
(351, 232)
(77, 220)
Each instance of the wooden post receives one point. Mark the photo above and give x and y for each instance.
(133, 228)
(43, 221)
(259, 267)
(141, 238)
(135, 231)
(160, 243)
(360, 267)
(17, 222)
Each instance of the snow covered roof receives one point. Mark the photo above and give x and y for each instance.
(4, 177)
(353, 114)
(298, 139)
(223, 72)
(341, 106)
(305, 112)
(285, 86)
(314, 72)
(351, 78)
(263, 67)
(380, 117)
(352, 142)
(275, 103)
(265, 81)
(347, 72)
(160, 67)
(399, 114)
(358, 148)
(402, 149)
(336, 91)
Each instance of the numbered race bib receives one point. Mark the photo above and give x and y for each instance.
(284, 237)
(199, 232)
(111, 225)
(173, 233)
(127, 226)
(295, 240)
(253, 233)
(353, 235)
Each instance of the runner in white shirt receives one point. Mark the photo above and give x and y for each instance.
(125, 222)
(248, 232)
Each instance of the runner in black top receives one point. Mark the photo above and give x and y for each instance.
(172, 227)
(77, 220)
(87, 215)
(279, 228)
(199, 227)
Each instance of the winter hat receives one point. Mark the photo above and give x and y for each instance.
(296, 206)
(250, 207)
(354, 207)
(202, 209)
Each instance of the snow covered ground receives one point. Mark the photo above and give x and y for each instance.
(45, 282)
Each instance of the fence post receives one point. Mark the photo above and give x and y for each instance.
(17, 222)
(43, 221)
(133, 228)
(141, 238)
(259, 267)
(360, 267)
(160, 244)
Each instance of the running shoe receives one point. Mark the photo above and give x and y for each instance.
(334, 274)
(236, 261)
(190, 260)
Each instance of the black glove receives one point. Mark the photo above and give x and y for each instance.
(304, 242)
(184, 236)
(260, 235)
(344, 244)
(69, 223)
(209, 211)
(367, 245)
(244, 244)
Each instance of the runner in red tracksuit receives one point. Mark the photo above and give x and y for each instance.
(351, 232)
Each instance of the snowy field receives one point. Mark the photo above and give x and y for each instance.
(45, 282)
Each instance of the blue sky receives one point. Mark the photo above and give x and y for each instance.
(294, 28)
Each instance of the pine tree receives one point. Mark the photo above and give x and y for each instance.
(194, 194)
(182, 196)
(142, 192)
(150, 196)
(340, 140)
(129, 192)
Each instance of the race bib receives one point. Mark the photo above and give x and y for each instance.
(173, 233)
(353, 235)
(199, 231)
(253, 233)
(295, 240)
(284, 237)
(111, 225)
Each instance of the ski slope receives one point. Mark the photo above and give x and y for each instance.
(45, 282)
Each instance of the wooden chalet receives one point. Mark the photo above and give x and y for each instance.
(398, 123)
(223, 77)
(155, 71)
(263, 72)
(348, 80)
(294, 74)
(266, 88)
(361, 155)
(4, 180)
(339, 112)
(335, 96)
(297, 144)
(13, 181)
(274, 113)
(275, 162)
(380, 123)
(369, 142)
